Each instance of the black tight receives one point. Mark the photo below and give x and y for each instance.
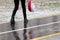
(16, 2)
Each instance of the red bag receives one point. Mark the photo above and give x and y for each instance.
(31, 6)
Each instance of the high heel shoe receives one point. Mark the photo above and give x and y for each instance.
(12, 21)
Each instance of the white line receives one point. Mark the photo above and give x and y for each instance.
(29, 27)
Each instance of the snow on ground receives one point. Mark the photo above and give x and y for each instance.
(43, 8)
(5, 16)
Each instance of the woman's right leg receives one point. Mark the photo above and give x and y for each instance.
(16, 2)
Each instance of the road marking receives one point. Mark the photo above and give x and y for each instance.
(29, 27)
(43, 37)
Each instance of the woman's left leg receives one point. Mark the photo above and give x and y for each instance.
(24, 8)
(25, 18)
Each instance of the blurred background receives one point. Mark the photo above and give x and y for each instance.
(47, 11)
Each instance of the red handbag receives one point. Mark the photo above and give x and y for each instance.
(31, 6)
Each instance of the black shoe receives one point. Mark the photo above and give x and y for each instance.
(25, 21)
(12, 21)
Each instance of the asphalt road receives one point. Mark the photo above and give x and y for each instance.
(40, 31)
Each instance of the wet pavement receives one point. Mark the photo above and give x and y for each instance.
(36, 32)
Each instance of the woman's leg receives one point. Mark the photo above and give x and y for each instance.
(16, 2)
(25, 18)
(24, 9)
